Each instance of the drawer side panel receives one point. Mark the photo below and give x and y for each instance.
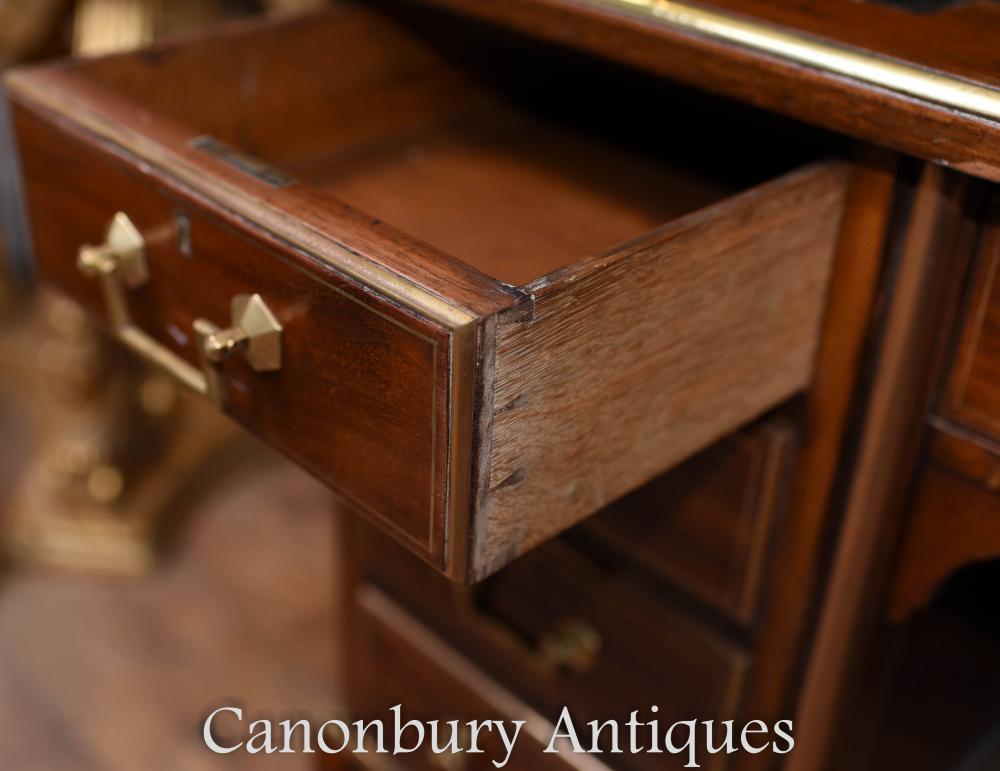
(637, 358)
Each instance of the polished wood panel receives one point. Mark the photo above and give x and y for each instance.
(972, 455)
(885, 459)
(650, 653)
(972, 395)
(796, 569)
(707, 526)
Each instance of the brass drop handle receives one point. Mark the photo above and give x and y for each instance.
(254, 332)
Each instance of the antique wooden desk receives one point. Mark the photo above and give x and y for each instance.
(715, 283)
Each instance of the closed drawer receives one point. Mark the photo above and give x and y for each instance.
(492, 306)
(972, 393)
(562, 630)
(707, 525)
(414, 667)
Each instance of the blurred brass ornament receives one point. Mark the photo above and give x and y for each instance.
(107, 450)
(107, 26)
(110, 464)
(26, 25)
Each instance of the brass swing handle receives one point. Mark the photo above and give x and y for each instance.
(254, 332)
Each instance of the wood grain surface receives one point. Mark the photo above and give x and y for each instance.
(796, 567)
(636, 359)
(885, 460)
(651, 651)
(413, 664)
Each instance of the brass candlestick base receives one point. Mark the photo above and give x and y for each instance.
(114, 450)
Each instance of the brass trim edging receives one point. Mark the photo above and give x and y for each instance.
(799, 47)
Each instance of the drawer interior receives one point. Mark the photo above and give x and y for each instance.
(514, 157)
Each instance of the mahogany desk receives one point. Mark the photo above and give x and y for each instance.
(714, 283)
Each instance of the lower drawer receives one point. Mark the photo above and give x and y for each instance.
(418, 669)
(707, 526)
(562, 631)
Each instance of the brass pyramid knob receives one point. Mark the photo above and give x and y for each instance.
(123, 254)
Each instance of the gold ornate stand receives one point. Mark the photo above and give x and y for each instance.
(113, 450)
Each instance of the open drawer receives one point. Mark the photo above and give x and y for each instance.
(492, 293)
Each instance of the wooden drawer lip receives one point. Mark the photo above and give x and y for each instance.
(455, 300)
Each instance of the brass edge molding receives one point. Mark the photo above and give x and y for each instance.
(801, 48)
(462, 354)
(272, 219)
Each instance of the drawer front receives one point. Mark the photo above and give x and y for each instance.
(972, 396)
(416, 668)
(599, 643)
(707, 525)
(563, 631)
(363, 394)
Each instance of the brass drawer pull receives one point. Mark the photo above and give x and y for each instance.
(120, 264)
(255, 334)
(573, 645)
